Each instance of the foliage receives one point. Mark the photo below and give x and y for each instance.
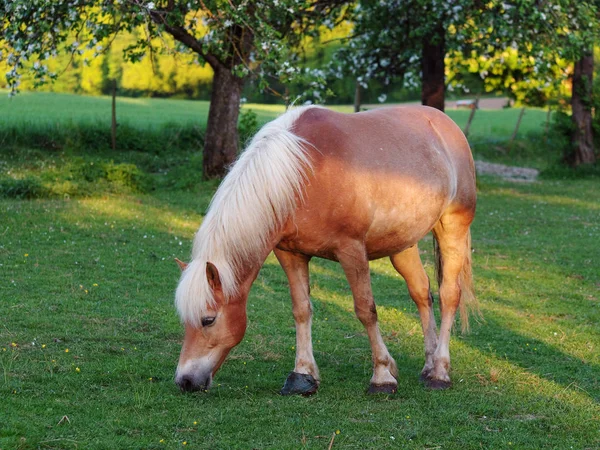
(563, 127)
(388, 37)
(248, 125)
(507, 72)
(561, 171)
(163, 74)
(249, 38)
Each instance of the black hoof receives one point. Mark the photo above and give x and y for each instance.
(437, 385)
(387, 388)
(299, 383)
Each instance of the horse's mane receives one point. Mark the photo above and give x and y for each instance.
(258, 194)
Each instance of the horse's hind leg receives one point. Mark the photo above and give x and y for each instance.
(452, 235)
(304, 379)
(354, 261)
(409, 265)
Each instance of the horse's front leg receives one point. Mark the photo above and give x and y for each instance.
(355, 263)
(304, 379)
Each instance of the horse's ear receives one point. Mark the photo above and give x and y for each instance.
(212, 275)
(181, 264)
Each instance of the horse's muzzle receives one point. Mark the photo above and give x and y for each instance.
(191, 383)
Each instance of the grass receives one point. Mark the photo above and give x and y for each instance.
(61, 122)
(90, 334)
(89, 338)
(51, 108)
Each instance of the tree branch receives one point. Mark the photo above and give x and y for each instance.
(182, 35)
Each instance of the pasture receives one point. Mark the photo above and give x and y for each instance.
(89, 338)
(39, 110)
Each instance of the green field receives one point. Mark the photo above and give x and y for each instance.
(89, 337)
(51, 108)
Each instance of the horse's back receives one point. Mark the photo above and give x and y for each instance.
(384, 176)
(414, 141)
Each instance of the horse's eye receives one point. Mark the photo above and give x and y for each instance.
(208, 321)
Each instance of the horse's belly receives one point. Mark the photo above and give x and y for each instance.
(394, 231)
(384, 230)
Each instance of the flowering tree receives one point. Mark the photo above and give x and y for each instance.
(409, 39)
(238, 39)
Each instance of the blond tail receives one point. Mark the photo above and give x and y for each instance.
(468, 301)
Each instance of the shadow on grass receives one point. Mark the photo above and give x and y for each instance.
(493, 337)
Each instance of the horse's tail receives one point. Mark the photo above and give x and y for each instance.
(468, 300)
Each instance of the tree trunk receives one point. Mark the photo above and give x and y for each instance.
(432, 66)
(581, 103)
(221, 140)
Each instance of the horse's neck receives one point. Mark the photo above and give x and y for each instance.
(248, 272)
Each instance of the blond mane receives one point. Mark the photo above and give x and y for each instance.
(258, 195)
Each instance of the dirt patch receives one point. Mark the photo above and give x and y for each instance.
(511, 173)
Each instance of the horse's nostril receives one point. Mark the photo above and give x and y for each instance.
(186, 383)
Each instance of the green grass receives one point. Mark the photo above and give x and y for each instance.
(52, 108)
(44, 108)
(63, 121)
(95, 276)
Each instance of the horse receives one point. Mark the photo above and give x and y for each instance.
(345, 187)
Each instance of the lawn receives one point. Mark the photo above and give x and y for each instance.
(51, 108)
(89, 337)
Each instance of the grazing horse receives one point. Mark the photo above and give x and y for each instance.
(345, 187)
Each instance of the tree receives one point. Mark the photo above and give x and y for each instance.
(406, 40)
(400, 39)
(239, 40)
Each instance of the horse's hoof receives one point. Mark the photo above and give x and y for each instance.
(425, 376)
(299, 383)
(437, 385)
(387, 388)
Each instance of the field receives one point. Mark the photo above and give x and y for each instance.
(89, 338)
(49, 108)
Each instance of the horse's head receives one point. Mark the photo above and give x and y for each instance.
(207, 344)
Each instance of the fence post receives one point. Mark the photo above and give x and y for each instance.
(547, 123)
(113, 125)
(473, 109)
(357, 97)
(514, 135)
